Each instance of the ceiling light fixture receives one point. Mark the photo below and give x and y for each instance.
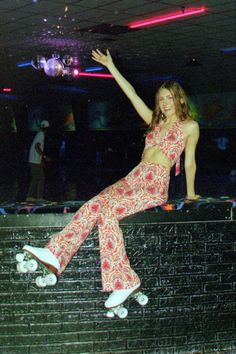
(168, 17)
(56, 67)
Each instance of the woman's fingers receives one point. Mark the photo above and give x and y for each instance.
(101, 58)
(95, 54)
(96, 60)
(99, 52)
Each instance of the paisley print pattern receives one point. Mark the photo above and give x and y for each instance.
(146, 186)
(171, 143)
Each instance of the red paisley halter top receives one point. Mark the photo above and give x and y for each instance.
(171, 143)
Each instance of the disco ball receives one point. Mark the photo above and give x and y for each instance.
(53, 67)
(38, 62)
(67, 59)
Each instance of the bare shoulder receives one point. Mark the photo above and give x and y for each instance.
(190, 127)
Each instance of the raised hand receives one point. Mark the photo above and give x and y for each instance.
(99, 57)
(141, 108)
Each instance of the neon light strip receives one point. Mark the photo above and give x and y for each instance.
(108, 76)
(8, 97)
(23, 64)
(229, 50)
(173, 16)
(7, 89)
(93, 68)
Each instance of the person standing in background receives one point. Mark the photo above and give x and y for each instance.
(36, 157)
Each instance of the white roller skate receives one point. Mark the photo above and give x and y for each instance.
(114, 303)
(35, 258)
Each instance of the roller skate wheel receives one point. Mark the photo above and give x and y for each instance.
(21, 267)
(51, 279)
(20, 257)
(122, 312)
(32, 265)
(142, 299)
(40, 282)
(110, 314)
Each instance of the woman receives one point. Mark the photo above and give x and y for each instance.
(171, 130)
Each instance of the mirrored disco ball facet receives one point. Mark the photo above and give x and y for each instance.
(67, 59)
(56, 55)
(38, 62)
(53, 67)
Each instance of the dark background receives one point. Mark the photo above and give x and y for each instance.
(86, 160)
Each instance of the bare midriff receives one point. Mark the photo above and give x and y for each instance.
(154, 155)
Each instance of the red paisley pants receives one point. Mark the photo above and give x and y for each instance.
(146, 186)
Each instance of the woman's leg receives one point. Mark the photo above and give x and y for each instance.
(67, 242)
(115, 266)
(145, 187)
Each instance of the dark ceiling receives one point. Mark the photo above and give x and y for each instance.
(47, 27)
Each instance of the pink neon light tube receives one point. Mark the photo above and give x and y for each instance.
(108, 76)
(167, 17)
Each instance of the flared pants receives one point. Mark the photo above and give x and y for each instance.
(146, 186)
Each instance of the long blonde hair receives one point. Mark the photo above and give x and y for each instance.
(180, 102)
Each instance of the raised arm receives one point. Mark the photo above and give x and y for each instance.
(141, 108)
(190, 161)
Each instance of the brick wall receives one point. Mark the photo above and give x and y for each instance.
(188, 272)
